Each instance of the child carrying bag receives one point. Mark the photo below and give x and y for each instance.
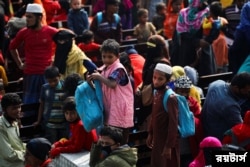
(186, 123)
(89, 104)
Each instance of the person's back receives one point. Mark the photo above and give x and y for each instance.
(51, 8)
(221, 109)
(77, 19)
(137, 62)
(12, 148)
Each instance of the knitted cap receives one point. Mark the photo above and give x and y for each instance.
(39, 147)
(34, 8)
(183, 82)
(164, 68)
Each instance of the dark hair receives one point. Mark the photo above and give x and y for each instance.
(141, 12)
(87, 35)
(111, 2)
(51, 72)
(10, 99)
(160, 6)
(241, 80)
(70, 83)
(216, 8)
(69, 104)
(65, 5)
(112, 132)
(126, 62)
(110, 45)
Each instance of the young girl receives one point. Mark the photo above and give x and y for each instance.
(79, 139)
(144, 29)
(117, 90)
(163, 135)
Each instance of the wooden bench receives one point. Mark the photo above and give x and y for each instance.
(30, 131)
(129, 41)
(14, 86)
(141, 48)
(205, 80)
(29, 113)
(59, 24)
(138, 140)
(127, 33)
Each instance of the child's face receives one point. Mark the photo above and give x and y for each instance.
(113, 8)
(76, 4)
(71, 116)
(183, 91)
(53, 82)
(143, 18)
(176, 6)
(108, 58)
(159, 79)
(162, 11)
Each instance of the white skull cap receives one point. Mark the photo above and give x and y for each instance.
(34, 8)
(164, 68)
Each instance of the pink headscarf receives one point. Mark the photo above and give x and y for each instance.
(190, 19)
(207, 142)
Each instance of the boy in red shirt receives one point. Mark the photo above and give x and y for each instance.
(79, 139)
(87, 43)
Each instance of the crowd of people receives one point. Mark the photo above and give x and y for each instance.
(183, 39)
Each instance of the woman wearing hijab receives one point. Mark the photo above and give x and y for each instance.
(207, 145)
(188, 42)
(68, 57)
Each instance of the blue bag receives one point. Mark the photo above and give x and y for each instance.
(186, 120)
(99, 19)
(89, 104)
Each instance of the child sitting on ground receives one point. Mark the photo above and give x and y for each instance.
(79, 139)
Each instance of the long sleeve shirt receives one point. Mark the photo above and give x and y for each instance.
(12, 148)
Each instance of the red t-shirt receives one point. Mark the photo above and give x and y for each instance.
(38, 48)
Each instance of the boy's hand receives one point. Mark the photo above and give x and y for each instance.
(95, 75)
